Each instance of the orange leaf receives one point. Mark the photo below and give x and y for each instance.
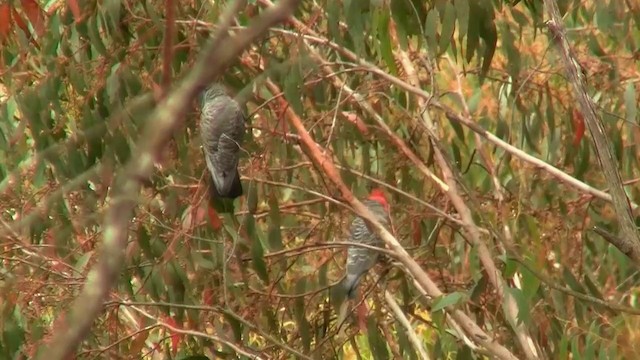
(35, 15)
(578, 127)
(5, 21)
(75, 9)
(216, 223)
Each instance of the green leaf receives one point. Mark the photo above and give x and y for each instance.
(94, 35)
(431, 31)
(630, 103)
(447, 300)
(385, 43)
(593, 288)
(334, 13)
(489, 34)
(530, 283)
(292, 90)
(275, 234)
(398, 14)
(405, 346)
(355, 12)
(519, 17)
(448, 27)
(524, 308)
(257, 251)
(527, 135)
(377, 342)
(299, 310)
(473, 32)
(12, 336)
(462, 14)
(584, 158)
(252, 198)
(83, 261)
(236, 326)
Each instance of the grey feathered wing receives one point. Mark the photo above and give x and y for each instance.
(222, 130)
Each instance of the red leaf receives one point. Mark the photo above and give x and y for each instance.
(578, 127)
(416, 232)
(24, 27)
(5, 21)
(362, 316)
(216, 223)
(20, 22)
(207, 297)
(75, 9)
(35, 15)
(175, 337)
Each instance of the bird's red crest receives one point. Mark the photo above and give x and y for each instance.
(378, 195)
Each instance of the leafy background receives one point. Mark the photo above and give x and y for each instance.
(79, 79)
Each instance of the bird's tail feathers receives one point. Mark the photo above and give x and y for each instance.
(220, 189)
(343, 311)
(350, 285)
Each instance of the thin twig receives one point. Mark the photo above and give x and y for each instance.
(251, 354)
(402, 319)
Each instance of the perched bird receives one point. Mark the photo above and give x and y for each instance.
(222, 127)
(360, 259)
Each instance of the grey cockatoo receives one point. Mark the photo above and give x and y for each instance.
(360, 259)
(222, 127)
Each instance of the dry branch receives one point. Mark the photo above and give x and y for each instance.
(628, 242)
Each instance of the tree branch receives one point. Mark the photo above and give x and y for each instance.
(470, 227)
(402, 319)
(325, 163)
(628, 242)
(166, 119)
(453, 116)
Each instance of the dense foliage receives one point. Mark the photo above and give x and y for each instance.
(78, 80)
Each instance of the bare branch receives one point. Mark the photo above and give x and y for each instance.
(628, 242)
(402, 319)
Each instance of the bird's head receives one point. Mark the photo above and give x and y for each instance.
(378, 196)
(213, 91)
